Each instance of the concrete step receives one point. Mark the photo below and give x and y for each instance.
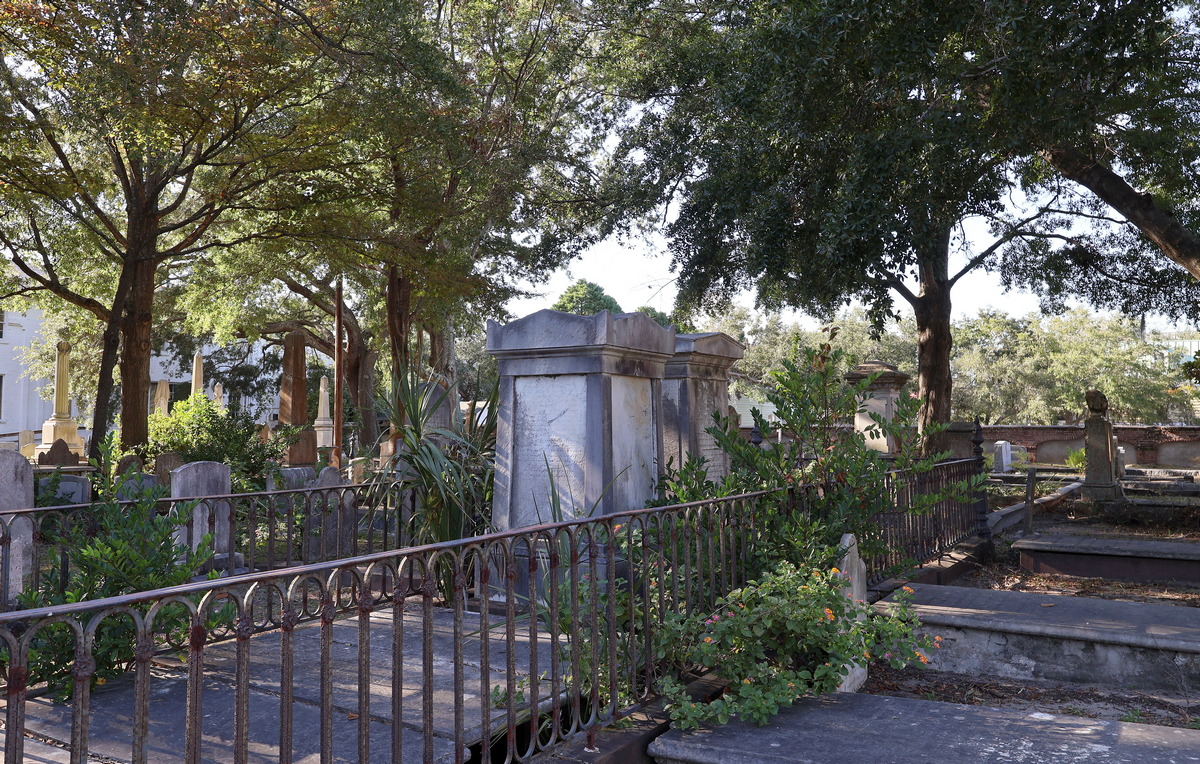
(876, 729)
(1127, 559)
(1026, 635)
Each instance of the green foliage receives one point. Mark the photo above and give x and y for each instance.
(121, 549)
(451, 470)
(199, 430)
(586, 299)
(1077, 459)
(791, 633)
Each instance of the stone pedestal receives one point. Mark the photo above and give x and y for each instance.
(580, 420)
(1099, 482)
(62, 425)
(695, 387)
(879, 399)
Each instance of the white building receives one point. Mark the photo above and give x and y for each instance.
(21, 407)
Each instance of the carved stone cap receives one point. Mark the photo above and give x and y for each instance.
(890, 377)
(552, 329)
(1097, 402)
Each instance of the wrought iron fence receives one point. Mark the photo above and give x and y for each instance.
(497, 646)
(504, 644)
(249, 532)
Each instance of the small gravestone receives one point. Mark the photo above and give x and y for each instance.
(59, 455)
(8, 445)
(1002, 456)
(129, 463)
(204, 480)
(16, 492)
(303, 453)
(265, 434)
(72, 489)
(880, 399)
(133, 485)
(165, 465)
(340, 515)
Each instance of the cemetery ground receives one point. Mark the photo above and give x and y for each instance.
(1003, 572)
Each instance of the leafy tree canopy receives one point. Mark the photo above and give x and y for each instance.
(586, 299)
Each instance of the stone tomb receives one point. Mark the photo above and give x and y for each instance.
(580, 420)
(696, 386)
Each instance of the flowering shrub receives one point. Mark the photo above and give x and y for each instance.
(789, 634)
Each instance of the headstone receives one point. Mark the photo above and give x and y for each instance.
(303, 453)
(579, 416)
(61, 426)
(330, 528)
(359, 468)
(1002, 456)
(880, 398)
(197, 373)
(8, 445)
(264, 434)
(695, 386)
(165, 465)
(59, 454)
(1099, 482)
(25, 438)
(956, 439)
(203, 480)
(324, 423)
(219, 395)
(72, 489)
(129, 463)
(1119, 467)
(162, 397)
(132, 485)
(16, 532)
(854, 570)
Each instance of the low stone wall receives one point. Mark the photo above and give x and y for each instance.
(1144, 444)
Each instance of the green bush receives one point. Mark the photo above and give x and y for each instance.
(1077, 460)
(791, 633)
(122, 549)
(199, 430)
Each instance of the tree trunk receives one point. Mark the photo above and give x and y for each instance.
(111, 350)
(399, 318)
(934, 339)
(136, 326)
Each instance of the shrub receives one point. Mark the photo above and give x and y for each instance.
(199, 430)
(121, 550)
(1077, 460)
(789, 634)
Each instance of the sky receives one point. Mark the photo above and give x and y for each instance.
(637, 273)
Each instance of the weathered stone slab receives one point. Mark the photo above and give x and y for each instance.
(59, 454)
(1128, 559)
(220, 663)
(1025, 635)
(111, 721)
(877, 728)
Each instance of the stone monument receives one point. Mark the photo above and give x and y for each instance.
(162, 397)
(197, 373)
(580, 415)
(880, 398)
(324, 423)
(16, 531)
(61, 425)
(293, 400)
(695, 386)
(1099, 482)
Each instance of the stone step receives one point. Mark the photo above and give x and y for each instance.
(1026, 635)
(1128, 559)
(882, 730)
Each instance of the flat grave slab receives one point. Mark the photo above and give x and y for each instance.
(844, 728)
(1127, 559)
(1028, 635)
(112, 706)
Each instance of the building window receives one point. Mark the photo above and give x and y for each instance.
(1, 324)
(1, 397)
